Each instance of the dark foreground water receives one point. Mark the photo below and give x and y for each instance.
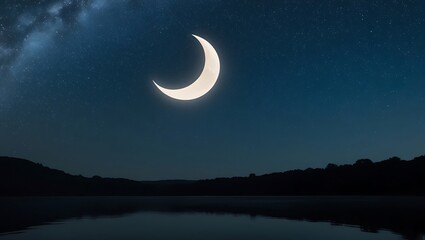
(221, 218)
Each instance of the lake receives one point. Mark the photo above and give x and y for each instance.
(212, 218)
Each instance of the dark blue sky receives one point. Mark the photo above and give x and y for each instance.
(302, 83)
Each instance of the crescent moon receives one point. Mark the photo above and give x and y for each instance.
(205, 81)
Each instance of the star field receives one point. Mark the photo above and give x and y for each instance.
(302, 84)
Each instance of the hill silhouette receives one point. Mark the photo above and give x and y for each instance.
(20, 177)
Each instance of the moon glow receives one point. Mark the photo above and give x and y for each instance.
(205, 81)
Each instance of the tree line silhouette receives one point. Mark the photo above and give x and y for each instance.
(20, 177)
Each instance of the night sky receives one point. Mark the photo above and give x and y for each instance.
(302, 84)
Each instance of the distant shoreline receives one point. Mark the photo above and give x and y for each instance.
(391, 177)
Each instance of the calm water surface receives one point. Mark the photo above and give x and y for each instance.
(210, 218)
